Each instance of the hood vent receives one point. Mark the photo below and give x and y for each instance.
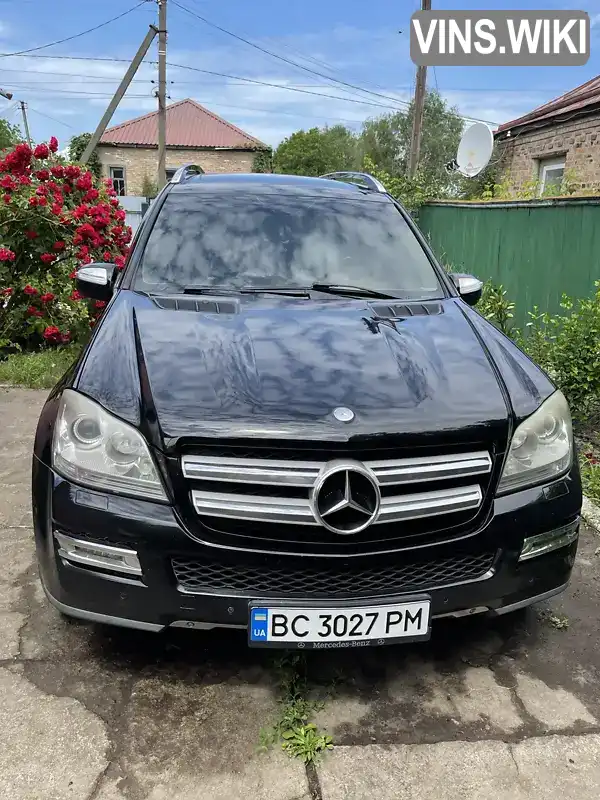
(406, 310)
(202, 304)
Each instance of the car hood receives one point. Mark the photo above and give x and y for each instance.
(278, 367)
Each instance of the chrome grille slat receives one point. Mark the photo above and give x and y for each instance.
(298, 511)
(392, 472)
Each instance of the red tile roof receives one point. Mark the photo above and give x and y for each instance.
(188, 125)
(588, 94)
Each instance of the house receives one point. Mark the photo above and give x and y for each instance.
(129, 152)
(559, 140)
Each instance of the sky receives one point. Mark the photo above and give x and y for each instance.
(359, 42)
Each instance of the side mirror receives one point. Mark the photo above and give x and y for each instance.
(96, 281)
(469, 287)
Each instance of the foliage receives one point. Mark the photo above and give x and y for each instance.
(386, 142)
(484, 185)
(10, 135)
(590, 474)
(531, 190)
(149, 187)
(411, 192)
(52, 217)
(263, 161)
(496, 307)
(37, 370)
(77, 147)
(316, 152)
(299, 737)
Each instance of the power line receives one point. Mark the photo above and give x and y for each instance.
(75, 36)
(282, 58)
(246, 80)
(42, 114)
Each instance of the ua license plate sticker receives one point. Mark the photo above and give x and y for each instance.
(325, 628)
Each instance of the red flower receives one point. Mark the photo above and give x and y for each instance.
(66, 337)
(92, 195)
(7, 198)
(120, 262)
(29, 289)
(6, 254)
(42, 201)
(41, 151)
(53, 144)
(120, 215)
(86, 231)
(7, 292)
(71, 171)
(41, 190)
(58, 246)
(56, 209)
(84, 183)
(67, 189)
(32, 311)
(24, 180)
(76, 295)
(80, 211)
(52, 333)
(42, 174)
(73, 274)
(31, 234)
(46, 298)
(107, 256)
(8, 182)
(33, 201)
(99, 304)
(58, 171)
(47, 258)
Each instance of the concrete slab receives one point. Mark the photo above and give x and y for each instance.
(52, 747)
(556, 766)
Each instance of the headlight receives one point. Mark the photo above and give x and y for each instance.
(541, 447)
(98, 450)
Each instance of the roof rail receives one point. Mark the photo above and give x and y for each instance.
(362, 179)
(186, 172)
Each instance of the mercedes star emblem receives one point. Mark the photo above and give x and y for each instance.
(345, 498)
(343, 414)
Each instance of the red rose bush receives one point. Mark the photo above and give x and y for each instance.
(54, 217)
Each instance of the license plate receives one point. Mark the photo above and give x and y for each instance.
(325, 628)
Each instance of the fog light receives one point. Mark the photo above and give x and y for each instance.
(101, 556)
(552, 540)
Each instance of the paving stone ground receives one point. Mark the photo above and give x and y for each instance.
(508, 709)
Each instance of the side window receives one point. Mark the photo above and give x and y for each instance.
(117, 175)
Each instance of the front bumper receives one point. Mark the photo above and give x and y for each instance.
(154, 601)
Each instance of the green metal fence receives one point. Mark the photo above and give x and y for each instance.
(537, 249)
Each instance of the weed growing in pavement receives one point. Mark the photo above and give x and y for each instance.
(299, 737)
(558, 621)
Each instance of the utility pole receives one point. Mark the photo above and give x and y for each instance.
(418, 107)
(162, 92)
(25, 123)
(122, 88)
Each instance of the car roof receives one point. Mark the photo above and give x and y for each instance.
(284, 184)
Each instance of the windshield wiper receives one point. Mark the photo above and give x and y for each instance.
(291, 291)
(357, 291)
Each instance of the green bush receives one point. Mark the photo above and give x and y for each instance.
(496, 307)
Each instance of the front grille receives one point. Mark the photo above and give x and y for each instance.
(326, 579)
(263, 494)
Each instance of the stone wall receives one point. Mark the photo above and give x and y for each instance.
(578, 138)
(142, 161)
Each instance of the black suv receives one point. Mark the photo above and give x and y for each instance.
(291, 420)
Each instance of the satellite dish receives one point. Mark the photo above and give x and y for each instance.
(474, 151)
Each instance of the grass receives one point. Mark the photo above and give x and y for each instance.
(37, 370)
(293, 730)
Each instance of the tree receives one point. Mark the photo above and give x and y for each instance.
(10, 135)
(316, 151)
(263, 161)
(386, 140)
(77, 147)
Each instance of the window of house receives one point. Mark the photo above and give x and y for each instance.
(551, 173)
(117, 175)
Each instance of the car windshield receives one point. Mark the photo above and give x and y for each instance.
(278, 240)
